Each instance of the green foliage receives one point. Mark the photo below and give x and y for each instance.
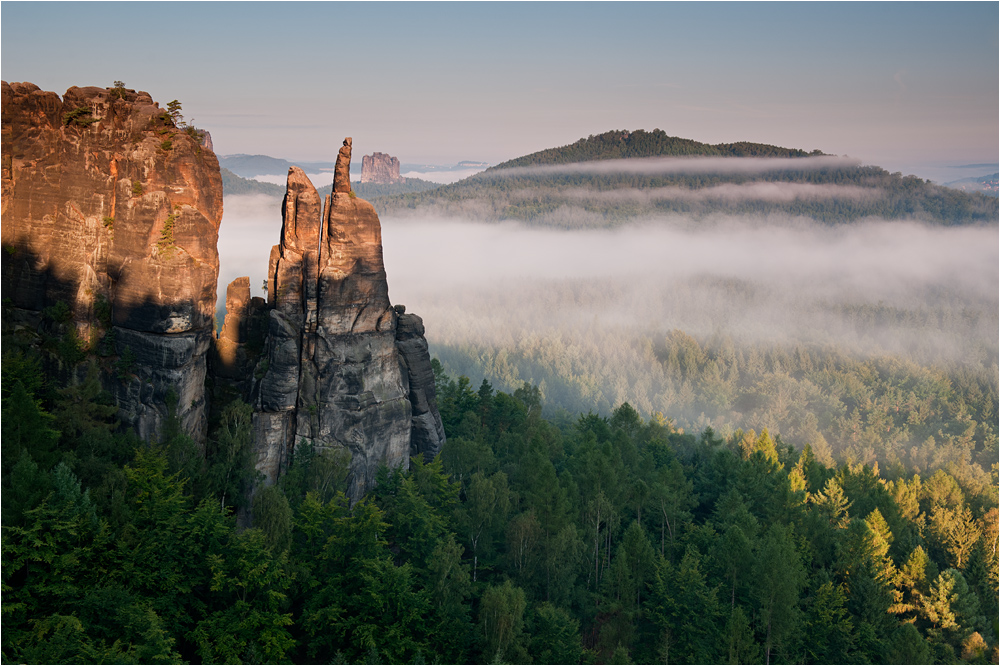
(513, 191)
(234, 184)
(195, 133)
(230, 457)
(376, 192)
(612, 539)
(501, 620)
(166, 241)
(622, 144)
(174, 113)
(272, 515)
(167, 144)
(125, 363)
(555, 636)
(888, 409)
(137, 189)
(79, 116)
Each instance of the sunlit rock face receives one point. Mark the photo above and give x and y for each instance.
(332, 374)
(107, 202)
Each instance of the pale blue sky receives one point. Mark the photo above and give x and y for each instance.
(908, 86)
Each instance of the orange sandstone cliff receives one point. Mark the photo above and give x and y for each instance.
(113, 210)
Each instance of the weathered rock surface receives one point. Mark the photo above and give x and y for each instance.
(380, 168)
(426, 428)
(104, 200)
(232, 357)
(342, 169)
(333, 373)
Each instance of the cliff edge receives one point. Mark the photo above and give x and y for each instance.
(112, 209)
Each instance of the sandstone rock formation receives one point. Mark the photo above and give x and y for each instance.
(106, 202)
(231, 358)
(113, 211)
(206, 140)
(426, 428)
(332, 373)
(380, 168)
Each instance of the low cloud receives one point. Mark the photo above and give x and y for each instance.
(685, 165)
(778, 192)
(788, 282)
(442, 177)
(251, 225)
(775, 279)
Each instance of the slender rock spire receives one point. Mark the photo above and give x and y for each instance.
(342, 172)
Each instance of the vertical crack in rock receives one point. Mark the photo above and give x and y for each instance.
(334, 373)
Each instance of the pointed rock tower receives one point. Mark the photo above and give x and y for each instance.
(333, 373)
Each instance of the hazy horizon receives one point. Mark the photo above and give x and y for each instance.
(911, 87)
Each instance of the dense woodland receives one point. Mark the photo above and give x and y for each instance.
(876, 407)
(234, 184)
(622, 144)
(610, 539)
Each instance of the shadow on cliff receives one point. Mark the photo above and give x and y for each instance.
(145, 371)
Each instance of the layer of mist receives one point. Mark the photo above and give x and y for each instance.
(686, 165)
(784, 283)
(730, 192)
(442, 177)
(251, 225)
(592, 304)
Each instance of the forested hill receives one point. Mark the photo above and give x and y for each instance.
(618, 177)
(622, 144)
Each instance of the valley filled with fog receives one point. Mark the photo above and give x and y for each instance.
(723, 321)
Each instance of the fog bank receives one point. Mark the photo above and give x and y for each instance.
(686, 165)
(771, 279)
(777, 192)
(934, 289)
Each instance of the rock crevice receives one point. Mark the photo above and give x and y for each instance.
(334, 372)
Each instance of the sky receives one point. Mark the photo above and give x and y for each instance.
(912, 87)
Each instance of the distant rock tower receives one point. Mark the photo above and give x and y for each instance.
(380, 168)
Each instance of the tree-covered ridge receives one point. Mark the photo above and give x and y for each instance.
(373, 192)
(832, 193)
(234, 184)
(604, 539)
(623, 144)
